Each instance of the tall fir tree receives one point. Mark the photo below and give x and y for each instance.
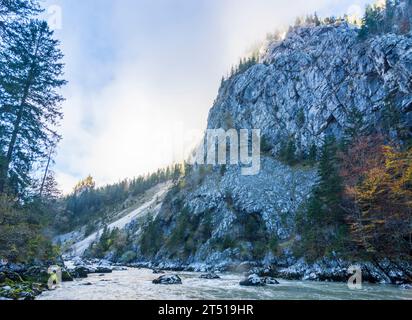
(30, 75)
(322, 226)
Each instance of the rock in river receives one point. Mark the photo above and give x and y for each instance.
(168, 279)
(209, 276)
(253, 281)
(271, 281)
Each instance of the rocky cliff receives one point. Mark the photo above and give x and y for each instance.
(306, 86)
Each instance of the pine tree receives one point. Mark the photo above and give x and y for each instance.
(330, 184)
(50, 188)
(30, 75)
(312, 155)
(287, 151)
(317, 21)
(85, 185)
(322, 227)
(10, 10)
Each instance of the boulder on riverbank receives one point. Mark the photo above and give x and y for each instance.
(37, 274)
(168, 279)
(337, 270)
(103, 270)
(66, 276)
(26, 281)
(81, 272)
(119, 268)
(10, 276)
(21, 291)
(267, 271)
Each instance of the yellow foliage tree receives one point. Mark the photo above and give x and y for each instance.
(85, 185)
(383, 226)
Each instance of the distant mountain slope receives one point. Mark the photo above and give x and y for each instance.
(148, 204)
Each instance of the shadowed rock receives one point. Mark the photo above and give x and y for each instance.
(168, 279)
(209, 276)
(253, 281)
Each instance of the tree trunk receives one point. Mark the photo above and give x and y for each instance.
(17, 123)
(45, 173)
(16, 129)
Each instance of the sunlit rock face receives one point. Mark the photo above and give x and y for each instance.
(310, 83)
(305, 86)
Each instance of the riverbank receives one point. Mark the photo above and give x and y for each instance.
(329, 270)
(26, 282)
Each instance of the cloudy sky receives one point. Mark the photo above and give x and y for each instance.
(143, 75)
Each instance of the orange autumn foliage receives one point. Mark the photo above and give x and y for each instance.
(378, 197)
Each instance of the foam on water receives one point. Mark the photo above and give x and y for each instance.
(136, 284)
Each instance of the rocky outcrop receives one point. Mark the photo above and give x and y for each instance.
(309, 84)
(79, 268)
(103, 270)
(25, 282)
(338, 270)
(81, 272)
(21, 291)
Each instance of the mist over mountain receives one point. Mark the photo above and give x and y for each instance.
(318, 94)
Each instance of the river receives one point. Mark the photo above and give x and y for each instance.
(135, 284)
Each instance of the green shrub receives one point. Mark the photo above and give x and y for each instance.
(152, 238)
(21, 236)
(287, 151)
(128, 256)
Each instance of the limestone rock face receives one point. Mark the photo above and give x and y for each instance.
(306, 86)
(309, 84)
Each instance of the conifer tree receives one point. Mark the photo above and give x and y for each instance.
(11, 10)
(323, 226)
(30, 75)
